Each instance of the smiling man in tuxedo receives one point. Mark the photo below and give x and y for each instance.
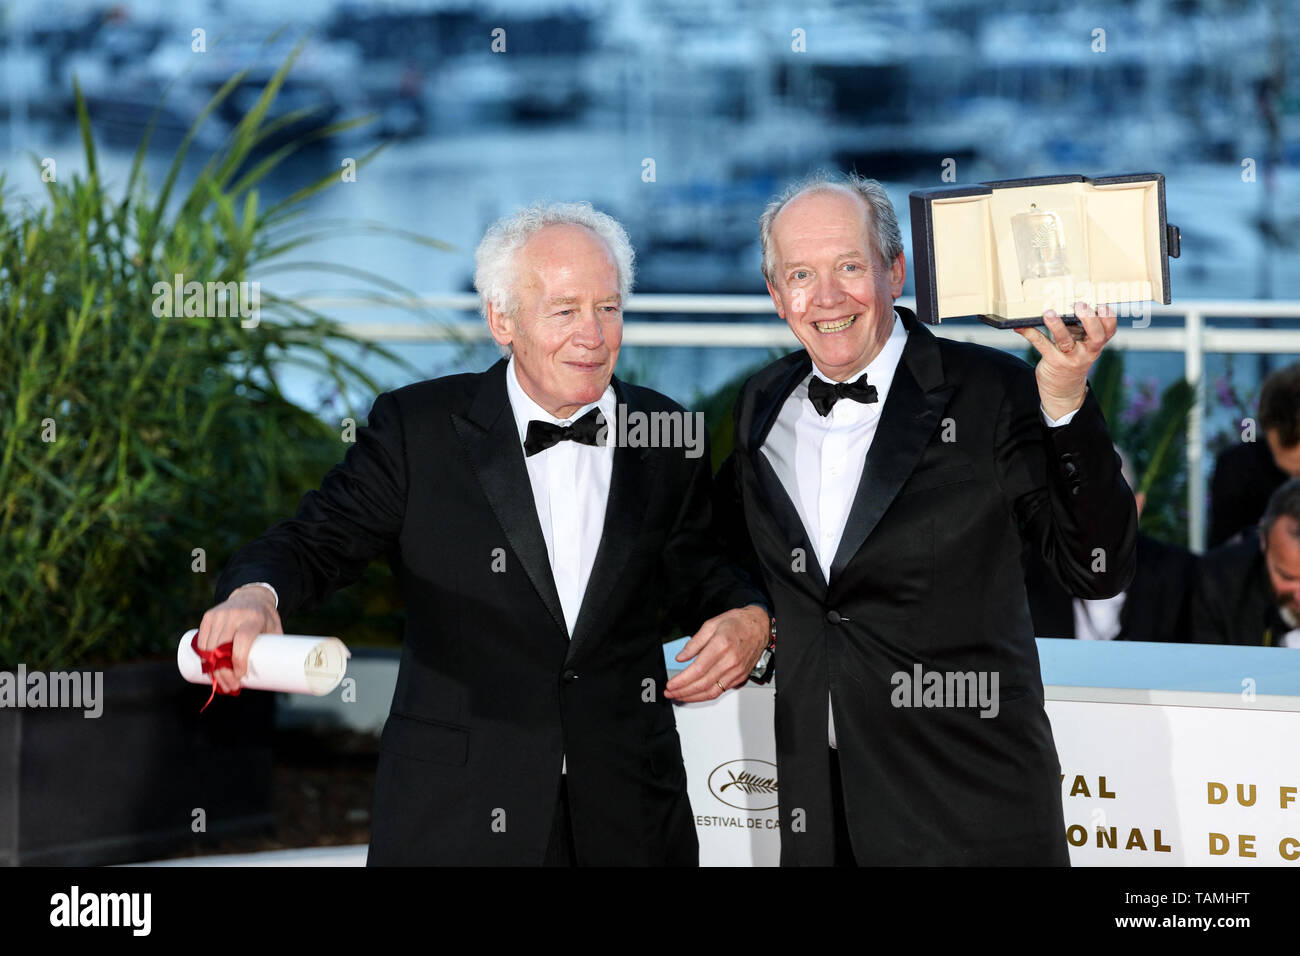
(883, 480)
(541, 567)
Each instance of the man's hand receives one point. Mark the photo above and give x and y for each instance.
(1068, 355)
(248, 612)
(725, 649)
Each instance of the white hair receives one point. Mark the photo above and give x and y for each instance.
(495, 274)
(889, 241)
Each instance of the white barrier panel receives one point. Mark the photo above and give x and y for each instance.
(730, 755)
(1143, 784)
(1159, 785)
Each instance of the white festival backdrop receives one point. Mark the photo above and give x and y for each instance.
(1143, 784)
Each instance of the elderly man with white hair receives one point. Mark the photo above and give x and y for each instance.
(541, 567)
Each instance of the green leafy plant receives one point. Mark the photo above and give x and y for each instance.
(1230, 406)
(718, 407)
(138, 451)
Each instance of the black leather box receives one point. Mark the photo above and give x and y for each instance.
(1008, 251)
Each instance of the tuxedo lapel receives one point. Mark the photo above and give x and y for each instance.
(767, 406)
(916, 399)
(630, 486)
(769, 398)
(787, 517)
(491, 440)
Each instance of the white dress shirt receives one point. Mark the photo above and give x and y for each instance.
(570, 484)
(833, 452)
(1098, 620)
(1292, 637)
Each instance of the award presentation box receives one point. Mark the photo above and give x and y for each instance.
(1006, 252)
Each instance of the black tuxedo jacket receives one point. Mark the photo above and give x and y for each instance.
(928, 574)
(1157, 606)
(1233, 601)
(491, 692)
(1245, 477)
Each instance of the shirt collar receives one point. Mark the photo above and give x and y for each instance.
(880, 370)
(1290, 619)
(526, 410)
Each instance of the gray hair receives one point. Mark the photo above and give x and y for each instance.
(889, 241)
(494, 260)
(1285, 501)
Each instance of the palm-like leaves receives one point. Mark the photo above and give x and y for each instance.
(170, 433)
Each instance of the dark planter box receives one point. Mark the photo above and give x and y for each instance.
(123, 787)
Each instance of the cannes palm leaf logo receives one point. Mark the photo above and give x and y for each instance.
(750, 783)
(747, 784)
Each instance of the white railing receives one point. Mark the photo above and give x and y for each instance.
(1193, 340)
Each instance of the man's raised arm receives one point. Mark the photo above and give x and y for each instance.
(1085, 524)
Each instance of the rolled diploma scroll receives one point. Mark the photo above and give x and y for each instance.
(289, 663)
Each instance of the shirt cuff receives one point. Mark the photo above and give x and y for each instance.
(1057, 422)
(263, 584)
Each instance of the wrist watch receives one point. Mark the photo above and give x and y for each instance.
(764, 669)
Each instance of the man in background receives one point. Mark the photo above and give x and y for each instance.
(1246, 474)
(1248, 591)
(1155, 607)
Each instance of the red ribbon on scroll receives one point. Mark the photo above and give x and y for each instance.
(213, 661)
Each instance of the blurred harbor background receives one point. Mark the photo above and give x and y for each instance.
(682, 119)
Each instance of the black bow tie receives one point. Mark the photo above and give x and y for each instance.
(824, 394)
(542, 435)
